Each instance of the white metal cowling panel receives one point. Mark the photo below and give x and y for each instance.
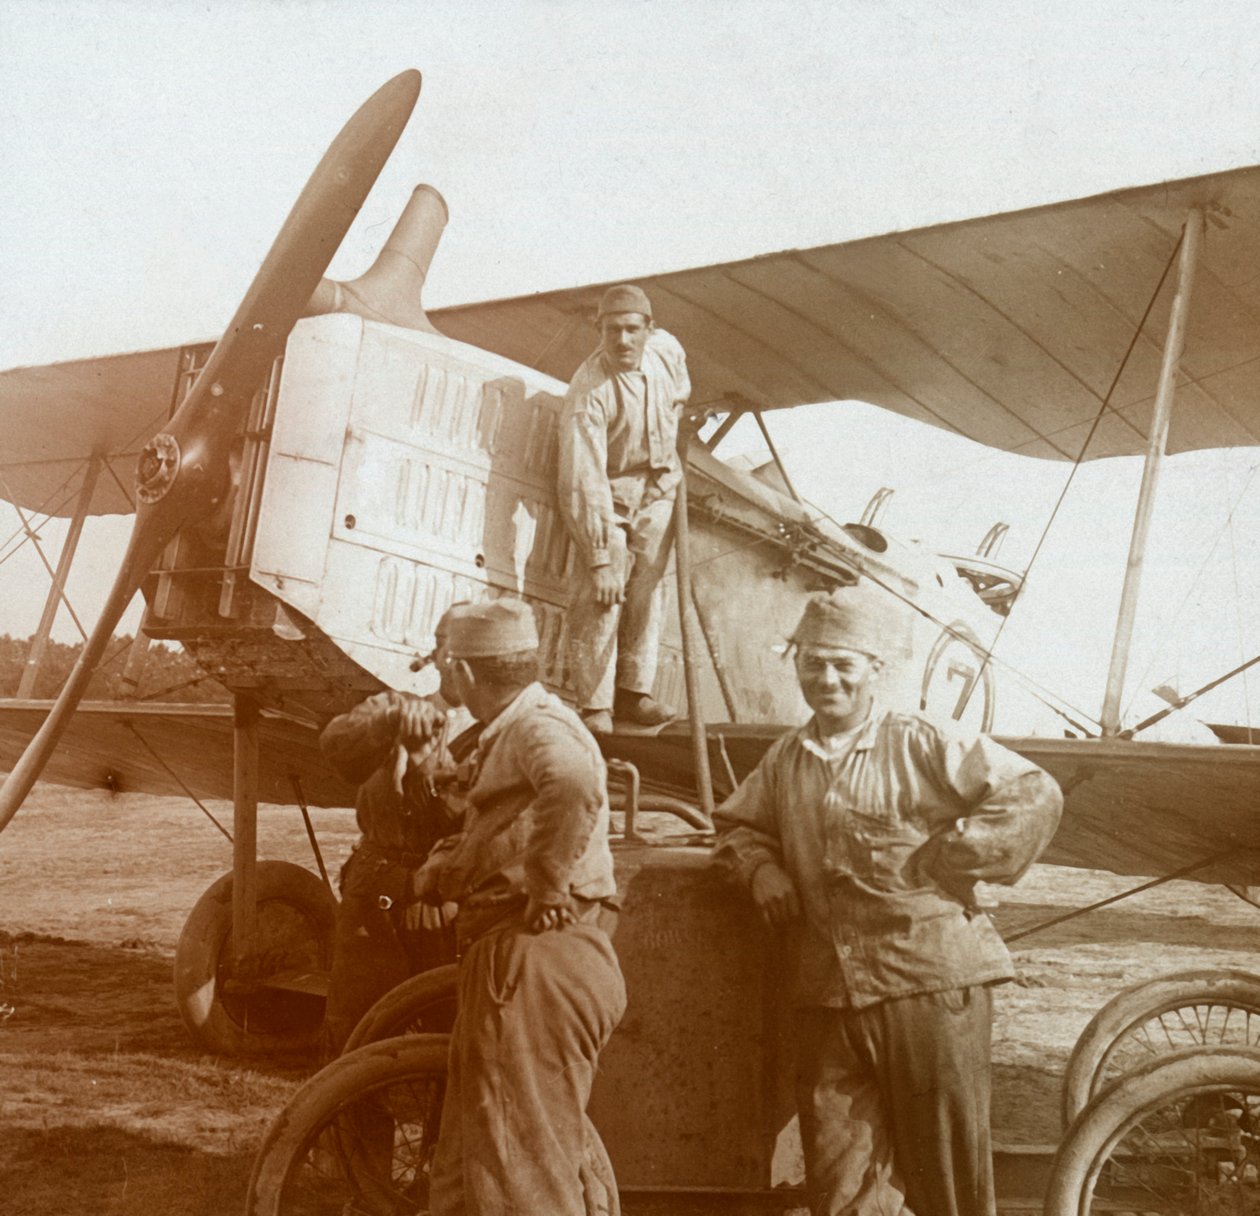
(407, 471)
(444, 462)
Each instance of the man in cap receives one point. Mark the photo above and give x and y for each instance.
(618, 473)
(401, 750)
(540, 989)
(864, 834)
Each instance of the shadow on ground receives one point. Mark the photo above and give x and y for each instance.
(105, 1171)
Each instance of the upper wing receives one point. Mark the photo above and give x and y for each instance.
(53, 417)
(173, 749)
(1008, 329)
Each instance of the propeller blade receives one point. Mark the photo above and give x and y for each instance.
(183, 472)
(137, 563)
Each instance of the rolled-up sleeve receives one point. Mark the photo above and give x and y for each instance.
(359, 741)
(747, 825)
(1011, 811)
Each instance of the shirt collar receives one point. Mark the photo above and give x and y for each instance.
(524, 700)
(863, 737)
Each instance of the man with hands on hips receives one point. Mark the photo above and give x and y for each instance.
(863, 835)
(540, 988)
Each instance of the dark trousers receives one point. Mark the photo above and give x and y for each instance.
(373, 949)
(894, 1106)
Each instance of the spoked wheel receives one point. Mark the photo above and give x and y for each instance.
(1178, 1137)
(358, 1138)
(1163, 1015)
(423, 1004)
(238, 1014)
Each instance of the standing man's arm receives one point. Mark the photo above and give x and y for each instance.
(748, 846)
(569, 790)
(1011, 811)
(583, 491)
(675, 359)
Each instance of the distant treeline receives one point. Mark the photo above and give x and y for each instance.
(168, 675)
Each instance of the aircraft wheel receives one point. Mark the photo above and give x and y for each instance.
(1180, 1136)
(1163, 1015)
(358, 1136)
(296, 912)
(423, 1004)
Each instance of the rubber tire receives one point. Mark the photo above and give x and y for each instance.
(427, 999)
(1235, 989)
(1110, 1115)
(320, 1100)
(204, 949)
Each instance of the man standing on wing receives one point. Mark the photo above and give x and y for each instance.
(618, 474)
(540, 989)
(864, 832)
(400, 750)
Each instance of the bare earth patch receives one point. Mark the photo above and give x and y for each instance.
(106, 1108)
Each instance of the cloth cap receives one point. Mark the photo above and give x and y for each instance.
(857, 617)
(625, 298)
(443, 626)
(489, 629)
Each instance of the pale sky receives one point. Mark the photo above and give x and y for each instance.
(149, 151)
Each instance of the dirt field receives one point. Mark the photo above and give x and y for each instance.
(107, 1109)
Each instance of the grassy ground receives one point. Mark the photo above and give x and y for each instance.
(107, 1109)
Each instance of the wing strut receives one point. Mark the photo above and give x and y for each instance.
(57, 591)
(1173, 345)
(686, 609)
(774, 452)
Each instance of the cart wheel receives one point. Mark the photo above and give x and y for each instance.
(358, 1137)
(1170, 1012)
(1180, 1136)
(296, 912)
(423, 1004)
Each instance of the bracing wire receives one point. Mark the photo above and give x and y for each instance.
(1103, 407)
(987, 656)
(1226, 528)
(1051, 700)
(23, 532)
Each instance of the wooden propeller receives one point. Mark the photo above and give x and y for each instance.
(183, 472)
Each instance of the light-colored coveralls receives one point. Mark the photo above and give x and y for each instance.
(378, 941)
(535, 1009)
(885, 835)
(618, 473)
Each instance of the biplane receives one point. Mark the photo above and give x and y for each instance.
(313, 490)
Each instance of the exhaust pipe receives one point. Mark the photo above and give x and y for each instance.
(390, 290)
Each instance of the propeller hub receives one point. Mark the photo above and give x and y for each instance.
(157, 468)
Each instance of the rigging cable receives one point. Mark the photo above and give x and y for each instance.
(107, 461)
(23, 530)
(1228, 525)
(1053, 702)
(1103, 407)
